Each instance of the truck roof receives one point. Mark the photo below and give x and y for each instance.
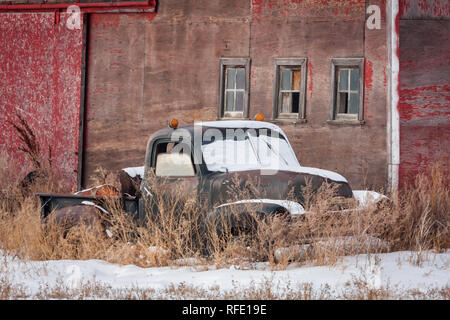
(238, 124)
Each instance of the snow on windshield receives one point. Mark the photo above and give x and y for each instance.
(249, 150)
(262, 146)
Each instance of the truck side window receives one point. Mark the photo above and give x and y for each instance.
(164, 147)
(169, 163)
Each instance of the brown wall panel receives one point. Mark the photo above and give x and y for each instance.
(145, 69)
(114, 91)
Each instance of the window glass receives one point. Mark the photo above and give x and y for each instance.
(229, 101)
(343, 79)
(348, 91)
(290, 83)
(354, 79)
(343, 102)
(240, 78)
(289, 98)
(285, 79)
(347, 88)
(231, 75)
(174, 164)
(239, 101)
(234, 73)
(354, 103)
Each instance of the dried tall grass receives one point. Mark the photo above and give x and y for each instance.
(176, 233)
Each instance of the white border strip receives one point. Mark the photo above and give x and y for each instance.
(393, 124)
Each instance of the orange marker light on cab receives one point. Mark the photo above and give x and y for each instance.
(259, 117)
(173, 123)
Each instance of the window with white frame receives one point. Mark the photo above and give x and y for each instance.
(347, 89)
(234, 89)
(234, 84)
(289, 88)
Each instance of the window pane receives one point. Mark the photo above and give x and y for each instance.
(239, 101)
(229, 101)
(342, 102)
(174, 164)
(354, 103)
(240, 78)
(296, 79)
(231, 75)
(285, 79)
(354, 79)
(343, 79)
(285, 102)
(295, 101)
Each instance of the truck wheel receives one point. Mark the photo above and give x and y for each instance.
(244, 223)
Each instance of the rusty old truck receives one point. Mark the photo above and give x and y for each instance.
(204, 159)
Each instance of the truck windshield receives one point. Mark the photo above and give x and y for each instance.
(247, 150)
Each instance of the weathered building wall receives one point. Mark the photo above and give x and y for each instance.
(424, 85)
(144, 69)
(40, 69)
(320, 31)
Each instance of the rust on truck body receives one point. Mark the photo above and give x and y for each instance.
(215, 186)
(206, 184)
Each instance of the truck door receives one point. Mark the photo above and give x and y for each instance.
(173, 173)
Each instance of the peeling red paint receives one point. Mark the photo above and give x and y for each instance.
(423, 4)
(404, 6)
(41, 61)
(397, 51)
(92, 7)
(265, 9)
(420, 9)
(421, 147)
(428, 102)
(424, 88)
(368, 74)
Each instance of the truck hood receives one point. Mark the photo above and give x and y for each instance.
(275, 186)
(330, 175)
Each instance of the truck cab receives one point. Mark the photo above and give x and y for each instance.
(206, 157)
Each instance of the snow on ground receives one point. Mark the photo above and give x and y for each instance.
(366, 197)
(396, 270)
